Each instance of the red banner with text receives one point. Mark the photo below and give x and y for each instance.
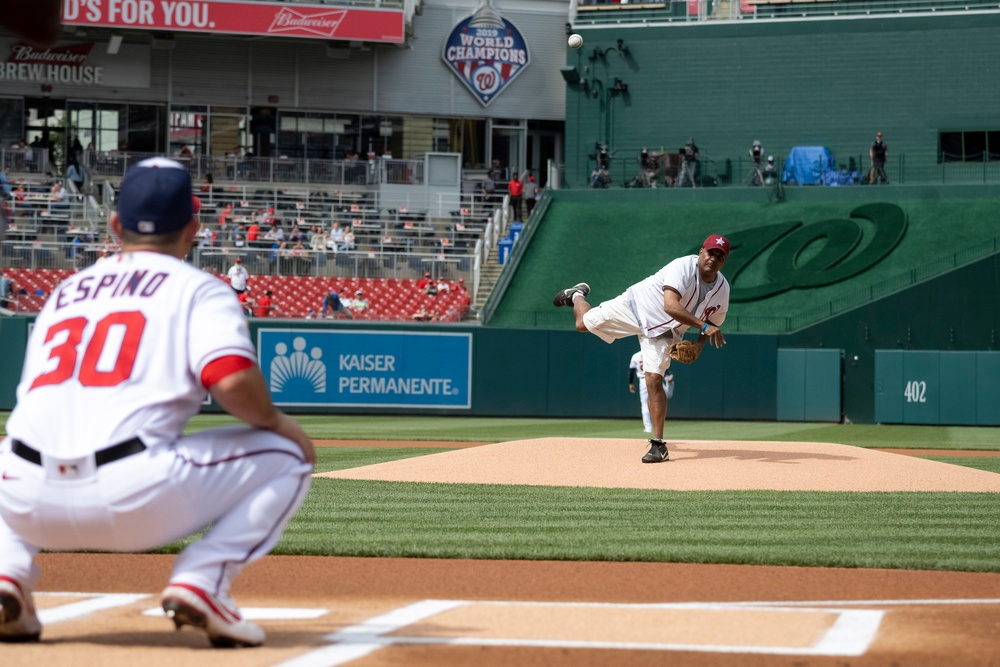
(240, 18)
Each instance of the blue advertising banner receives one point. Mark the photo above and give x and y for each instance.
(367, 368)
(486, 52)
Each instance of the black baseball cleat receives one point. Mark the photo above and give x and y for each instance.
(657, 452)
(565, 297)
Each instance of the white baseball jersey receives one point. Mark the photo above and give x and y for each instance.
(118, 353)
(238, 276)
(702, 300)
(118, 350)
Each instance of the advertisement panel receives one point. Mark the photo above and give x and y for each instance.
(240, 18)
(348, 368)
(75, 64)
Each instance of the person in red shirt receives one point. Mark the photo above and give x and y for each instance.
(422, 283)
(516, 189)
(253, 232)
(246, 302)
(226, 216)
(264, 305)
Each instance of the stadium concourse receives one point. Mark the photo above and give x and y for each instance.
(391, 299)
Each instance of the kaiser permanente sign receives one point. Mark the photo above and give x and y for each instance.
(240, 18)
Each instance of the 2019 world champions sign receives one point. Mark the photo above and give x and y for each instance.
(486, 52)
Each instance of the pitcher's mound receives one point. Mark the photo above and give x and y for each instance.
(693, 466)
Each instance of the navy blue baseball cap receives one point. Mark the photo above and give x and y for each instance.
(155, 197)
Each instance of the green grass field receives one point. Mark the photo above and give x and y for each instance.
(946, 531)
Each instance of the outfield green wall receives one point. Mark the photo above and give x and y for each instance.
(825, 82)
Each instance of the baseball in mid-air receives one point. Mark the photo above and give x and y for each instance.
(575, 41)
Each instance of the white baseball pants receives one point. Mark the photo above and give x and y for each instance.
(247, 483)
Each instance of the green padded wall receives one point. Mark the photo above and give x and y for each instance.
(788, 83)
(937, 387)
(809, 385)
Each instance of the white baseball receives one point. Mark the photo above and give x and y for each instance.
(575, 41)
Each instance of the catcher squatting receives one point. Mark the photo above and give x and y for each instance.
(688, 292)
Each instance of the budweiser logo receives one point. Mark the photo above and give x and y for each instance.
(322, 23)
(74, 55)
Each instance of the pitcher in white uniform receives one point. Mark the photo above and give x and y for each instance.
(120, 358)
(688, 292)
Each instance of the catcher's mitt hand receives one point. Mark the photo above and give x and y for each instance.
(686, 351)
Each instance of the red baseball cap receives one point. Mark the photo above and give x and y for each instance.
(717, 242)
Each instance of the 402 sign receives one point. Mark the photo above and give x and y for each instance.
(803, 256)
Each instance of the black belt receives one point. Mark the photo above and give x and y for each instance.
(101, 456)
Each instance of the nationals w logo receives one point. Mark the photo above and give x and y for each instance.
(823, 253)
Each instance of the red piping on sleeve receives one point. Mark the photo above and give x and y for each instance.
(223, 367)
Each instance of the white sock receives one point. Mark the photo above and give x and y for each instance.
(572, 297)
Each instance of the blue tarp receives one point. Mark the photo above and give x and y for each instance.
(807, 164)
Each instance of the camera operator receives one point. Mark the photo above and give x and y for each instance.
(756, 153)
(600, 177)
(770, 171)
(689, 163)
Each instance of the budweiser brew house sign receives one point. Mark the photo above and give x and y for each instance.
(62, 64)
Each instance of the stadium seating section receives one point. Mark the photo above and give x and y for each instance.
(294, 296)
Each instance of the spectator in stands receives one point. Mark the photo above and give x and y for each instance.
(336, 232)
(6, 292)
(74, 173)
(275, 234)
(689, 163)
(238, 276)
(238, 235)
(347, 240)
(247, 302)
(295, 235)
(530, 195)
(5, 183)
(225, 216)
(184, 155)
(204, 236)
(442, 286)
(208, 187)
(878, 154)
(264, 306)
(496, 171)
(422, 314)
(359, 303)
(318, 241)
(431, 289)
(423, 282)
(253, 234)
(318, 238)
(488, 191)
(58, 193)
(331, 305)
(516, 190)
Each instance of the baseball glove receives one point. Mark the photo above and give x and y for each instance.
(686, 351)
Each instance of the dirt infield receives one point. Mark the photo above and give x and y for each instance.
(693, 466)
(367, 612)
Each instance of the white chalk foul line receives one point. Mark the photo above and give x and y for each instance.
(99, 602)
(850, 635)
(359, 640)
